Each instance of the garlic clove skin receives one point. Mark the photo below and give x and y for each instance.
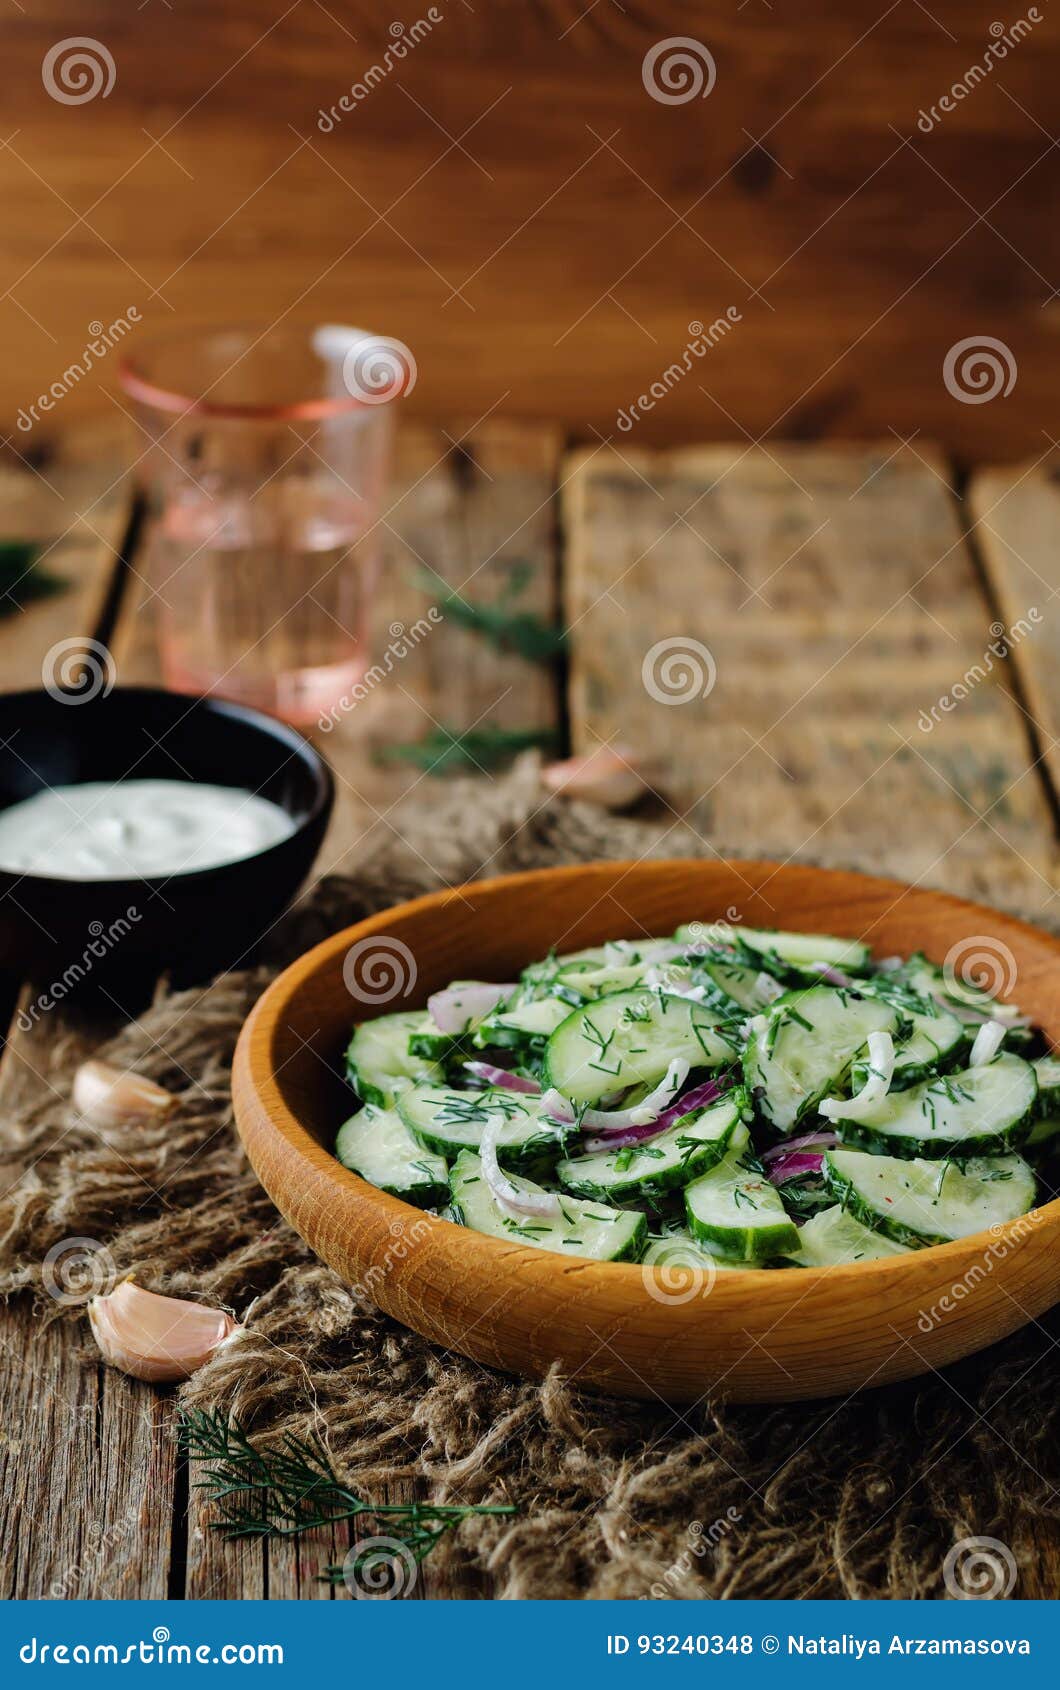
(157, 1338)
(607, 776)
(105, 1096)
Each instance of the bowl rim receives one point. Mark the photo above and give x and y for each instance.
(269, 727)
(731, 1285)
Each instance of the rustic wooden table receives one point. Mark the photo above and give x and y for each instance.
(843, 594)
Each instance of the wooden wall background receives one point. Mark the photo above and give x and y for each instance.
(516, 157)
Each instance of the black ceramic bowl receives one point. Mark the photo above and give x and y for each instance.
(80, 934)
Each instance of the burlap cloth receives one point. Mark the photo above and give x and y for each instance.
(858, 1498)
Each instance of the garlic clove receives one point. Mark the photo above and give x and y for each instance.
(607, 776)
(105, 1096)
(157, 1338)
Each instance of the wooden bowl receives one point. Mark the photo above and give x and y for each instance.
(617, 1327)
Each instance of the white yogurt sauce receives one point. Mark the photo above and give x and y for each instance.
(136, 829)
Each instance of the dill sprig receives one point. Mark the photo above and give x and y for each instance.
(488, 747)
(292, 1487)
(506, 629)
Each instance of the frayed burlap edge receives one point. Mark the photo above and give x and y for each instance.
(859, 1499)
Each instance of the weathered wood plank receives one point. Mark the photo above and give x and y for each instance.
(831, 600)
(1017, 517)
(72, 497)
(87, 1460)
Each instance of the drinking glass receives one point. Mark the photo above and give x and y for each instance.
(264, 469)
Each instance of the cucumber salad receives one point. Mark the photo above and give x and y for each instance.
(732, 1096)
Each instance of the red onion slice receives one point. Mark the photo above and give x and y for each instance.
(875, 1089)
(543, 1204)
(698, 1098)
(987, 1043)
(834, 976)
(502, 1077)
(460, 1007)
(642, 1114)
(792, 1166)
(818, 1141)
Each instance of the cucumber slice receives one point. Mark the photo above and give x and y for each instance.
(377, 1144)
(379, 1063)
(835, 1237)
(734, 987)
(643, 1171)
(932, 1043)
(922, 1202)
(734, 1209)
(631, 1038)
(1047, 1069)
(447, 1121)
(804, 1050)
(977, 1112)
(678, 1249)
(583, 1229)
(617, 953)
(1043, 1132)
(963, 998)
(799, 950)
(524, 1027)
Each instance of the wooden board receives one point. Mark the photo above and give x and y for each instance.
(1017, 517)
(512, 202)
(831, 598)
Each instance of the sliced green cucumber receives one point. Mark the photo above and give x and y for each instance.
(1045, 1129)
(799, 950)
(1047, 1068)
(447, 1121)
(379, 1063)
(933, 1042)
(582, 1229)
(524, 1027)
(629, 1039)
(967, 1001)
(921, 1202)
(735, 988)
(377, 1144)
(735, 1210)
(803, 1050)
(975, 1112)
(642, 1171)
(835, 1237)
(678, 1249)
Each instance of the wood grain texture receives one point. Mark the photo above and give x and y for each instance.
(1017, 530)
(510, 201)
(87, 1457)
(71, 496)
(833, 600)
(755, 1338)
